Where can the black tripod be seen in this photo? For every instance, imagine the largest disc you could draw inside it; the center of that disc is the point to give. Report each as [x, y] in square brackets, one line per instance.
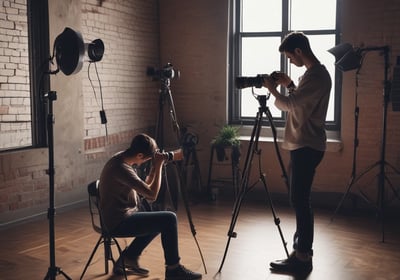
[53, 270]
[382, 163]
[244, 188]
[189, 151]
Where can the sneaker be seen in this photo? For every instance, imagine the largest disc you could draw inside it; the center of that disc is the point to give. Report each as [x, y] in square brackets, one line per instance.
[131, 267]
[181, 273]
[292, 265]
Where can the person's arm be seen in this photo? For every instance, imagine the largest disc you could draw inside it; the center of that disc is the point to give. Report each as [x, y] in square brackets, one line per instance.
[271, 83]
[154, 178]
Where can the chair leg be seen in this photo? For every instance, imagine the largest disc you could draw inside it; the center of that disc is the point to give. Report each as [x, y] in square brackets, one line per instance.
[108, 253]
[91, 256]
[120, 253]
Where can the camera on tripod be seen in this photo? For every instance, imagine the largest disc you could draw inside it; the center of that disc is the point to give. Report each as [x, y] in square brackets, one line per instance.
[257, 81]
[175, 155]
[167, 72]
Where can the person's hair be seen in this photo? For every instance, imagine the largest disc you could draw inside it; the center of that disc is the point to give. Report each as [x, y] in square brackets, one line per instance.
[142, 143]
[293, 41]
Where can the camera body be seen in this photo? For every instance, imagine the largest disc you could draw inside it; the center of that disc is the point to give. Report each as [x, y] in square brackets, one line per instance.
[167, 72]
[257, 81]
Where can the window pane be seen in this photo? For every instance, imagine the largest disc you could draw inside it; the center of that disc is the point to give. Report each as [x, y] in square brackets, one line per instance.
[15, 106]
[313, 14]
[256, 16]
[320, 44]
[260, 55]
[260, 36]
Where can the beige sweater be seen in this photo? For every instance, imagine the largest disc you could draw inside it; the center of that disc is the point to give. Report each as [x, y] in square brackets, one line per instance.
[307, 106]
[119, 187]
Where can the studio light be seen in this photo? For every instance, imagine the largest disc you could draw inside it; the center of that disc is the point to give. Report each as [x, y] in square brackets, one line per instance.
[347, 58]
[69, 51]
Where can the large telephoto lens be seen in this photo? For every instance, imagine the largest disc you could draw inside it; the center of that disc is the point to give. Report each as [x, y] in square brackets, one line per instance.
[244, 82]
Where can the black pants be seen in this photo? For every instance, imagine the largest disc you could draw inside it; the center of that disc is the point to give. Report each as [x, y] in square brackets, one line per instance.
[303, 163]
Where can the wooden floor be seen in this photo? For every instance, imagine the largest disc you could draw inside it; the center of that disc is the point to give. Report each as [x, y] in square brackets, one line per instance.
[349, 248]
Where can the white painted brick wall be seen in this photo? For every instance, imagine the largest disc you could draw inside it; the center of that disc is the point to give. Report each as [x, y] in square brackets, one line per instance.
[15, 113]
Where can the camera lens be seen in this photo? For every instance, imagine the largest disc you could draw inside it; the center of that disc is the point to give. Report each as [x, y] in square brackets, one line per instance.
[244, 82]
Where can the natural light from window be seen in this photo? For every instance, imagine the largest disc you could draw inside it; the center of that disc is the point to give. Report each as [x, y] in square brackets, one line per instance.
[260, 37]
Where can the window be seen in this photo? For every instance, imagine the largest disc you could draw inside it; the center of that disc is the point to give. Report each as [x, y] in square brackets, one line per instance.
[258, 30]
[24, 50]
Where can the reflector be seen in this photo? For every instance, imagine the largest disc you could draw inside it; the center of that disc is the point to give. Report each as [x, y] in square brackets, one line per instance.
[69, 51]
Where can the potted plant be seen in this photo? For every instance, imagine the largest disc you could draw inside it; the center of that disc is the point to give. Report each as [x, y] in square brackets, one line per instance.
[228, 136]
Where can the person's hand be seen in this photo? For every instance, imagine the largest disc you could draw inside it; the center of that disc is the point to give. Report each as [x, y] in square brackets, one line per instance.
[269, 82]
[158, 158]
[281, 78]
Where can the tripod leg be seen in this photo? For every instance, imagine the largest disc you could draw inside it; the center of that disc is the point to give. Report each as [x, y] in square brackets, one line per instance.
[189, 215]
[352, 181]
[54, 271]
[244, 182]
[231, 232]
[276, 219]
[350, 184]
[395, 191]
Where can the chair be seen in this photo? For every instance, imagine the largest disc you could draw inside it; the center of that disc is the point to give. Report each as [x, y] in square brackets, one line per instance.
[105, 237]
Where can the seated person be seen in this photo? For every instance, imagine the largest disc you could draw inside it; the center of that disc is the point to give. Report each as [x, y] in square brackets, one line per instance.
[120, 189]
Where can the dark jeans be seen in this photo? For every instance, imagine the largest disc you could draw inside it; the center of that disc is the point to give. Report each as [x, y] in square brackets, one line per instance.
[145, 226]
[303, 163]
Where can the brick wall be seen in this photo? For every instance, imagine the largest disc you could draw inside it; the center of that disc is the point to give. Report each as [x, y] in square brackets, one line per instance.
[195, 39]
[130, 32]
[15, 114]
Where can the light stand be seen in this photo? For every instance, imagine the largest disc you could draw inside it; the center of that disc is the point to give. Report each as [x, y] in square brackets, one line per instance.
[165, 75]
[381, 163]
[69, 50]
[245, 188]
[53, 270]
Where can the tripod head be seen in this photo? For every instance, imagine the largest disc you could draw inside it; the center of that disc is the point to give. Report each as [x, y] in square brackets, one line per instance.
[262, 100]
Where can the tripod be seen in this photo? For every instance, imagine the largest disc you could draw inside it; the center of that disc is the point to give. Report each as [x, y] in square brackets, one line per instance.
[53, 270]
[381, 163]
[244, 188]
[187, 143]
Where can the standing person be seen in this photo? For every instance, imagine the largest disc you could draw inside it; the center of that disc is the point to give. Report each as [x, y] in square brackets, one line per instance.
[306, 106]
[120, 189]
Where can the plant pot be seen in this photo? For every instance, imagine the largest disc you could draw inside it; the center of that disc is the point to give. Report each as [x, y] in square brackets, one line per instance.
[220, 150]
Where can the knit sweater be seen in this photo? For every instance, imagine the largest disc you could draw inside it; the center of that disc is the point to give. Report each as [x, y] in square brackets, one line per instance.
[307, 106]
[119, 187]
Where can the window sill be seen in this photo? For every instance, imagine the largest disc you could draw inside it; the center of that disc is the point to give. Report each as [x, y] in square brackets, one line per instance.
[334, 143]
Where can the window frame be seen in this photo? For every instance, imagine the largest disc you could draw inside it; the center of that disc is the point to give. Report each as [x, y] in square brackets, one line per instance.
[39, 79]
[39, 51]
[235, 40]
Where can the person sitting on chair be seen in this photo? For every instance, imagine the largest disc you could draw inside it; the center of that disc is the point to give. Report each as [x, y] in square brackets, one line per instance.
[120, 189]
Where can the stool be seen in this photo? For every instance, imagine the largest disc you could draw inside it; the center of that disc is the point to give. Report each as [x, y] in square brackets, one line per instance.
[234, 160]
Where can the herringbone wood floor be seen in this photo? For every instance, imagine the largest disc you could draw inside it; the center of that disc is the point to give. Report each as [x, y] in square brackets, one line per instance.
[349, 248]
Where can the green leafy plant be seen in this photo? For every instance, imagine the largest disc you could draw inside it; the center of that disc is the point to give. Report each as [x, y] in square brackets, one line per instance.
[228, 136]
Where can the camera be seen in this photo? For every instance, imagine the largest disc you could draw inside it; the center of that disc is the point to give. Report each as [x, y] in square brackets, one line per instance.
[244, 82]
[167, 72]
[173, 155]
[257, 81]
